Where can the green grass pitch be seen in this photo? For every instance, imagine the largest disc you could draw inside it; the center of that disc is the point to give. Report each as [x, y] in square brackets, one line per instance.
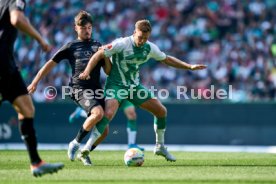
[109, 168]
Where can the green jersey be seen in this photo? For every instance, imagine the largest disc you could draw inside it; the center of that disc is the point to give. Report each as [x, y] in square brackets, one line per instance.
[126, 59]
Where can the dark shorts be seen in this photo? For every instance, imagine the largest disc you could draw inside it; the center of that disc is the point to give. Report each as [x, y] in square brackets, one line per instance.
[12, 86]
[88, 102]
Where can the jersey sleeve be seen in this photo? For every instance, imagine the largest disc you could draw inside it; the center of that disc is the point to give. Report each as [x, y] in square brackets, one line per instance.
[156, 53]
[61, 54]
[114, 47]
[17, 5]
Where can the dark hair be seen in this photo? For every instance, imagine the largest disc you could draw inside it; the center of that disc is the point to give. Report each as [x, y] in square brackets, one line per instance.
[143, 25]
[82, 18]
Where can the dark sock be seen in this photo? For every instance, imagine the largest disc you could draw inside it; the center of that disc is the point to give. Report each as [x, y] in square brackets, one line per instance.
[81, 134]
[27, 132]
[93, 147]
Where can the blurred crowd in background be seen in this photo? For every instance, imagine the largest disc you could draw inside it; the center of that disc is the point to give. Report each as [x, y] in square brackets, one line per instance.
[235, 38]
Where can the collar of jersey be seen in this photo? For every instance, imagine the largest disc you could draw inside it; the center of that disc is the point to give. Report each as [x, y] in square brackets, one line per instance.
[133, 43]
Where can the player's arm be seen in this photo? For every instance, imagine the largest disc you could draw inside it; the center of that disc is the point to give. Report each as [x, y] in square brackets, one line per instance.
[177, 63]
[21, 22]
[40, 75]
[94, 60]
[107, 65]
[60, 55]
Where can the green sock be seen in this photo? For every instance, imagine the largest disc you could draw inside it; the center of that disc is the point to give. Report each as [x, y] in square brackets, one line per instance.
[102, 124]
[131, 131]
[160, 128]
[160, 122]
[131, 124]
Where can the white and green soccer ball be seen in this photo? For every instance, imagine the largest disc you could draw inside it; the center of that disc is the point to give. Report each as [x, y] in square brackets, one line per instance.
[134, 157]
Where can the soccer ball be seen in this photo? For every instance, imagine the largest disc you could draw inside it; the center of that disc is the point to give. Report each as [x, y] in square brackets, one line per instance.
[134, 157]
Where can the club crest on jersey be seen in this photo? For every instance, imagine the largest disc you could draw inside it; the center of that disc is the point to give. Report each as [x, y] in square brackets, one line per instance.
[87, 53]
[94, 48]
[145, 53]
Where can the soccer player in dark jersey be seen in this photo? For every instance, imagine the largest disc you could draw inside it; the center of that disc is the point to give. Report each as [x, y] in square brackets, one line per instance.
[78, 53]
[12, 86]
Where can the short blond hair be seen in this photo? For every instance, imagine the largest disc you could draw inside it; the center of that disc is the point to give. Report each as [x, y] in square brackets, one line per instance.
[82, 18]
[143, 25]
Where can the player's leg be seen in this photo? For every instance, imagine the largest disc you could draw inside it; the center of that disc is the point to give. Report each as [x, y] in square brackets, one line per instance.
[25, 110]
[111, 107]
[79, 112]
[94, 117]
[145, 99]
[131, 125]
[99, 140]
[129, 110]
[160, 113]
[112, 103]
[83, 155]
[99, 132]
[94, 109]
[23, 105]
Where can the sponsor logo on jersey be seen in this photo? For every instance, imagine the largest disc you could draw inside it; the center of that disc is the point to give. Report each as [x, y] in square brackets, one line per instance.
[95, 48]
[137, 62]
[127, 53]
[87, 53]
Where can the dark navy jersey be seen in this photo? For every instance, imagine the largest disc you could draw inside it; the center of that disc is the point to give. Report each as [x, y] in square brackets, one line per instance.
[8, 34]
[78, 54]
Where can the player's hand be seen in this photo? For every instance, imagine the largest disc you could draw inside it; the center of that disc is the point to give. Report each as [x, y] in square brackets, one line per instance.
[84, 76]
[32, 88]
[45, 46]
[198, 67]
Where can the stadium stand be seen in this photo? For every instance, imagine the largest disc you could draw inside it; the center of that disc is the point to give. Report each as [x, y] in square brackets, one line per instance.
[236, 39]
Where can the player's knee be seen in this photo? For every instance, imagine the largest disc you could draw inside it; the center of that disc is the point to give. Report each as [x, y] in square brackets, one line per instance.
[109, 114]
[98, 115]
[162, 111]
[132, 116]
[28, 111]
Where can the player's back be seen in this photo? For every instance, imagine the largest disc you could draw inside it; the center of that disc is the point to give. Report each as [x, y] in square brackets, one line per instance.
[8, 34]
[7, 30]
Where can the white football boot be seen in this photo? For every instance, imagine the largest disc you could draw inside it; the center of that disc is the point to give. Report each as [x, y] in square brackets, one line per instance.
[162, 151]
[83, 156]
[72, 150]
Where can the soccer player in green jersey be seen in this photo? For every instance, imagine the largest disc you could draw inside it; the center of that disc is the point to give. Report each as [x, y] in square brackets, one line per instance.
[123, 82]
